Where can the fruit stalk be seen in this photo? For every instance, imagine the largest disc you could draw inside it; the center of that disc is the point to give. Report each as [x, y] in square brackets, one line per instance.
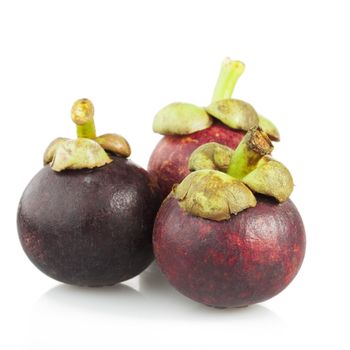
[83, 116]
[250, 150]
[229, 74]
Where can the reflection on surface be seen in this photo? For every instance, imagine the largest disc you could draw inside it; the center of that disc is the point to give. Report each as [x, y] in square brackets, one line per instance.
[118, 299]
[151, 298]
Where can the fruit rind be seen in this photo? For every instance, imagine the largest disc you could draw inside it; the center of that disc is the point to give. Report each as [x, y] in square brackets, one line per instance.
[90, 227]
[245, 260]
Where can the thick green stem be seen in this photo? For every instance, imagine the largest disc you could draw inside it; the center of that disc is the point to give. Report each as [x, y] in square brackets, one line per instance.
[251, 149]
[87, 130]
[229, 74]
[83, 117]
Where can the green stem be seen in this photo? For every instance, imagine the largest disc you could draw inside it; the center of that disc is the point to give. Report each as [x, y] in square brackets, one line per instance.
[87, 130]
[83, 116]
[229, 74]
[251, 149]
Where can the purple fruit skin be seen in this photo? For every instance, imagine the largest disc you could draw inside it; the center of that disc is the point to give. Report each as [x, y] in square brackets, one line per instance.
[89, 227]
[241, 261]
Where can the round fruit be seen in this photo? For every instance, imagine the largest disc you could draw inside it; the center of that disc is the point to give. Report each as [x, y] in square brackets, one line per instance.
[84, 224]
[217, 242]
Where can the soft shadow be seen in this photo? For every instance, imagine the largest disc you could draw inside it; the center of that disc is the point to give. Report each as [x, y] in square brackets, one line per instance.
[156, 299]
[111, 301]
[169, 303]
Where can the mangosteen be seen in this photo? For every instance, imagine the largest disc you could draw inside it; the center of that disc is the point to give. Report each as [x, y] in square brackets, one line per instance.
[86, 217]
[228, 235]
[187, 126]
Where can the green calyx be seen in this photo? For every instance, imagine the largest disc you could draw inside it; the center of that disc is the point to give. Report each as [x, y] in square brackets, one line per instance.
[88, 151]
[271, 178]
[79, 154]
[236, 114]
[269, 127]
[52, 148]
[181, 119]
[211, 155]
[213, 195]
[185, 118]
[214, 189]
[114, 143]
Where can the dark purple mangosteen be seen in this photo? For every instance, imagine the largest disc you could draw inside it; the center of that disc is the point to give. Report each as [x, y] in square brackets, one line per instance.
[186, 127]
[86, 218]
[217, 242]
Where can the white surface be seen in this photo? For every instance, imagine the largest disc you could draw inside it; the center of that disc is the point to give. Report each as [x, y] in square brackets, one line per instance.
[131, 58]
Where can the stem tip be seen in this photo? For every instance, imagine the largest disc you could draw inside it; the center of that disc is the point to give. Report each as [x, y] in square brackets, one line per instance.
[82, 111]
[229, 74]
[238, 66]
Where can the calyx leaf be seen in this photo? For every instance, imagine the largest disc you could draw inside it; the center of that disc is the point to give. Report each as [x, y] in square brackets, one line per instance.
[271, 178]
[51, 149]
[181, 119]
[114, 143]
[211, 155]
[269, 127]
[213, 195]
[234, 113]
[78, 154]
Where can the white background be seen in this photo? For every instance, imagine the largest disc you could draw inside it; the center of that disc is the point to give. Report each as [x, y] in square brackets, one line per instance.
[131, 58]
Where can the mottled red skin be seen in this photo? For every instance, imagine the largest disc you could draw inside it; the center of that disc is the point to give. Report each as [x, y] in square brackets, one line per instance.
[169, 160]
[241, 261]
[89, 227]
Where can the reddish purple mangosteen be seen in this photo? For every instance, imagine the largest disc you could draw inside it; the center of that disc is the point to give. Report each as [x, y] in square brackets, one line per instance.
[228, 235]
[187, 127]
[86, 218]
